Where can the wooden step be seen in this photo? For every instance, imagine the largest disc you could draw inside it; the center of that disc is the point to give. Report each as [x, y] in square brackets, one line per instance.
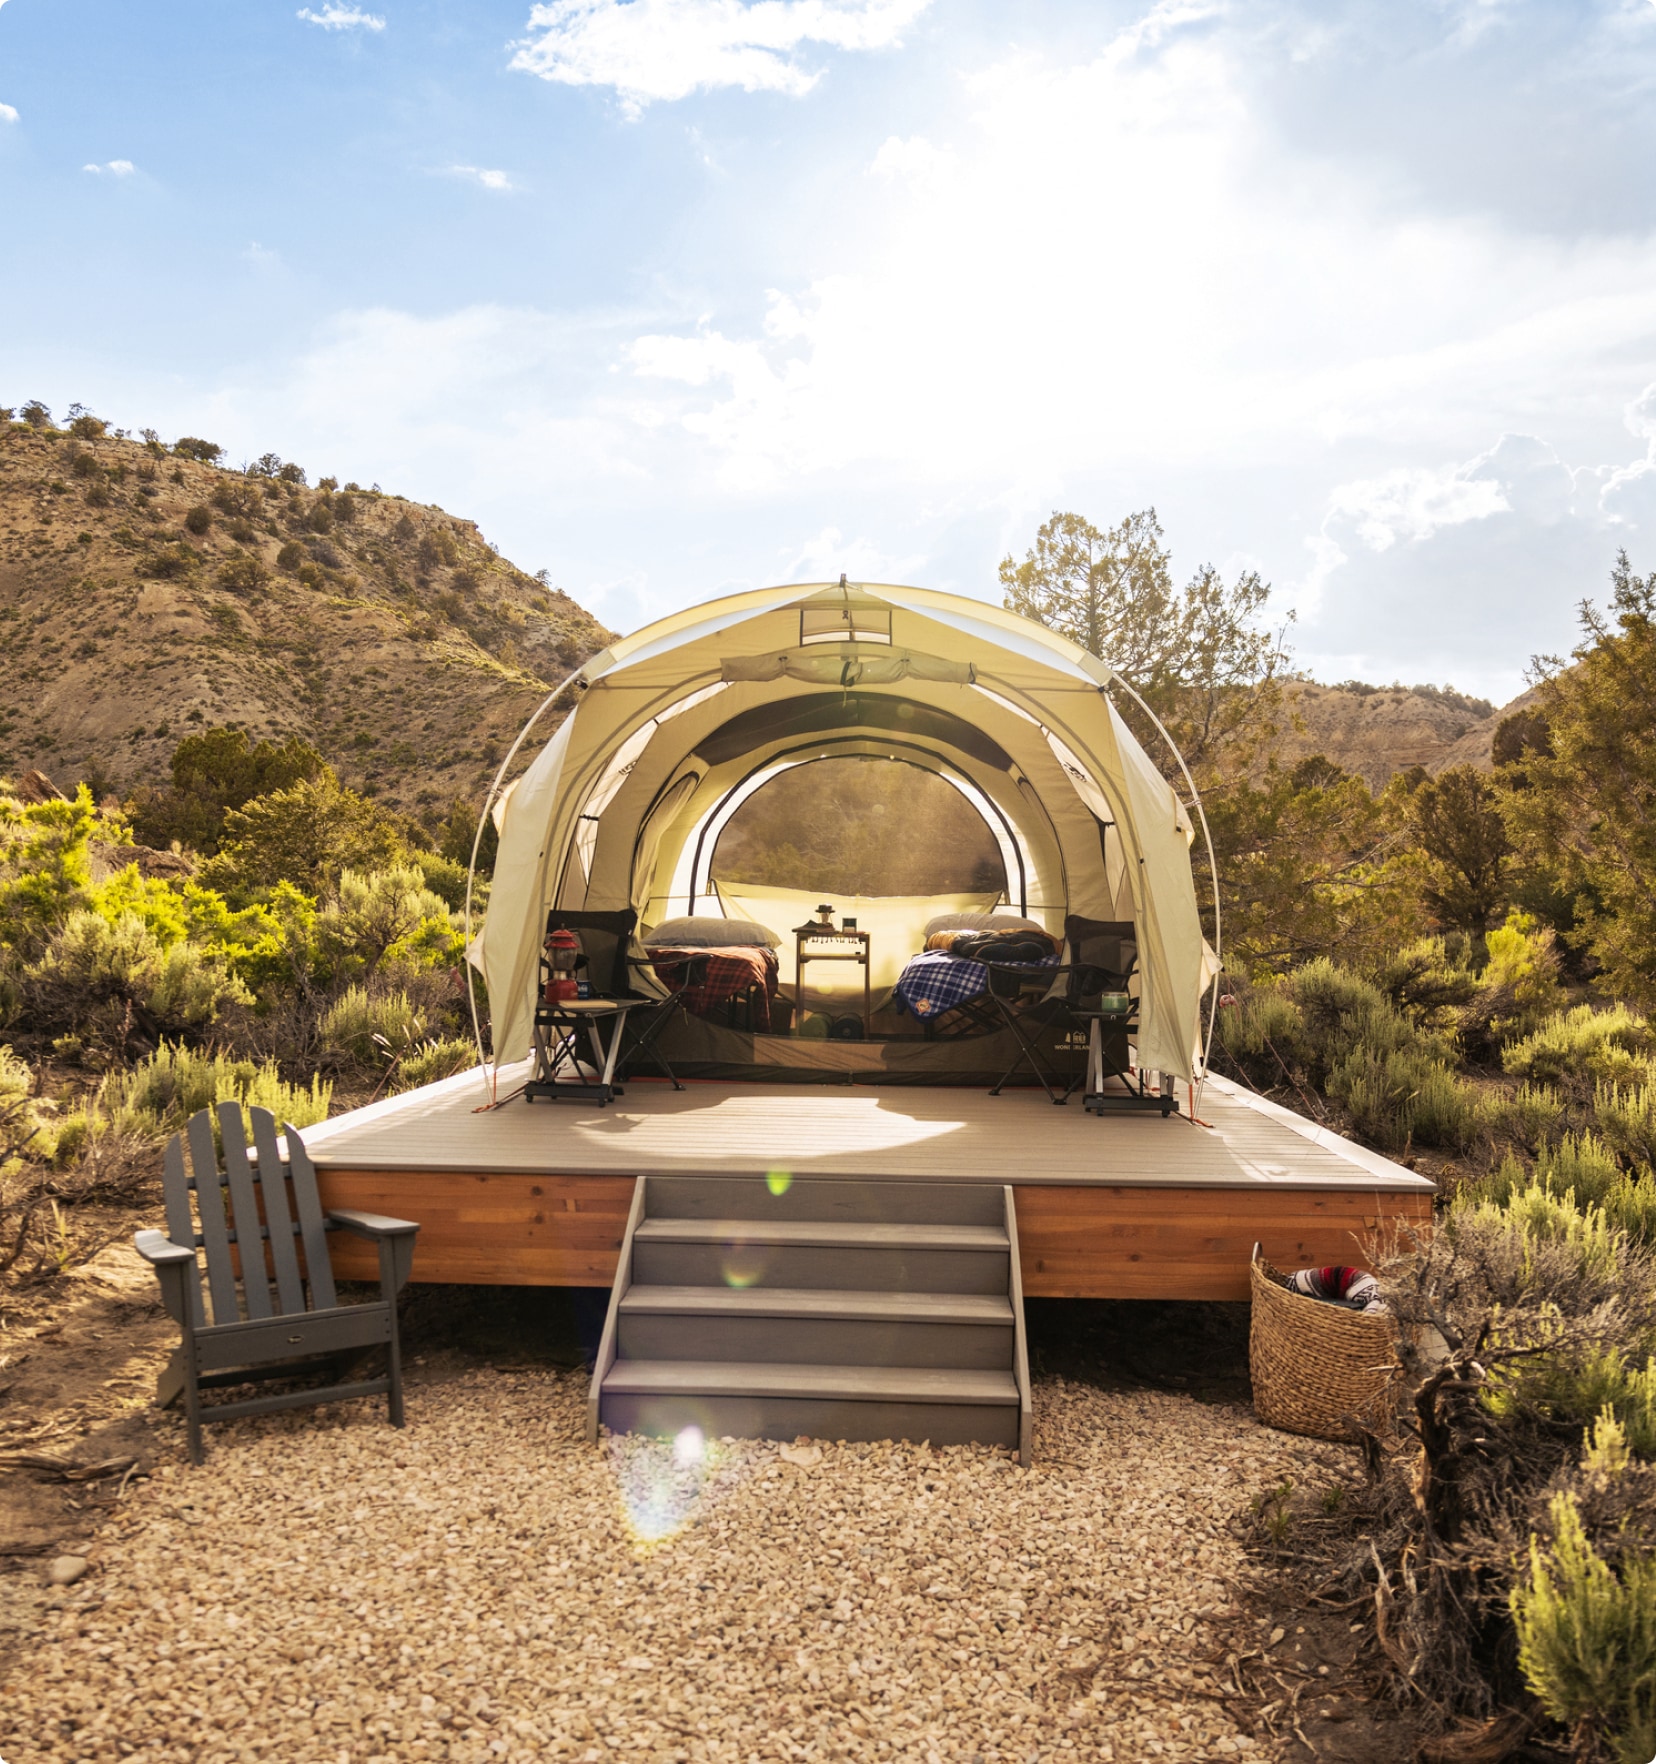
[823, 1233]
[821, 1255]
[815, 1327]
[904, 1384]
[770, 1301]
[753, 1400]
[818, 1197]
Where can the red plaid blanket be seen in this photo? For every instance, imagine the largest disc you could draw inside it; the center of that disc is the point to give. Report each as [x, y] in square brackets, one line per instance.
[727, 973]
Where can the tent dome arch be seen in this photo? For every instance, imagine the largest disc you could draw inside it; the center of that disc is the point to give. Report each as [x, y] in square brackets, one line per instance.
[670, 718]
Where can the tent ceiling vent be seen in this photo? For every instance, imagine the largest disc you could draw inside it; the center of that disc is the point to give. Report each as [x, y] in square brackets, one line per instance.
[840, 620]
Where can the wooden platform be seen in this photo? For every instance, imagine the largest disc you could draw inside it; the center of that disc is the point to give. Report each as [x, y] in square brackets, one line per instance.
[1120, 1207]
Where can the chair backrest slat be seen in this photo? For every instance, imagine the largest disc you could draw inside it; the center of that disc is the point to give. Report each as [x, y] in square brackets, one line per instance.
[244, 1209]
[181, 1228]
[311, 1226]
[215, 1235]
[290, 1293]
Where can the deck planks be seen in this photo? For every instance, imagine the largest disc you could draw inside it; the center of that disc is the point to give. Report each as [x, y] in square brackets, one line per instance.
[1123, 1207]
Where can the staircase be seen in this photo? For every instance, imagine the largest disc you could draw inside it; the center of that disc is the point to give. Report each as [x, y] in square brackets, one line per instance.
[838, 1309]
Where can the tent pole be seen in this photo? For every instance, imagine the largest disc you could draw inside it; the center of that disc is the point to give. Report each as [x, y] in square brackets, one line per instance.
[490, 1081]
[1213, 871]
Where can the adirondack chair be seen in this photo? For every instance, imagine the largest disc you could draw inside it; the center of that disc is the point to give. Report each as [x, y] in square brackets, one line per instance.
[256, 1334]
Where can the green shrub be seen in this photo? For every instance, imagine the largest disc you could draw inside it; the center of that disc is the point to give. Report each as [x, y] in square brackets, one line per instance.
[1531, 1117]
[199, 518]
[447, 879]
[433, 1061]
[1405, 1097]
[97, 969]
[158, 1095]
[363, 1031]
[1630, 1206]
[242, 573]
[1581, 1047]
[1627, 1119]
[1587, 1638]
[169, 562]
[1568, 1389]
[25, 1127]
[1523, 964]
[1429, 975]
[291, 555]
[1579, 1164]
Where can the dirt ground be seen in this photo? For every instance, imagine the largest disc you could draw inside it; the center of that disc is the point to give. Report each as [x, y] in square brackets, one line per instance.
[79, 1354]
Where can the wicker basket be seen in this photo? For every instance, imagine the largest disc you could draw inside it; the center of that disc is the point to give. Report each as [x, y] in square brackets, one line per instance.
[1318, 1367]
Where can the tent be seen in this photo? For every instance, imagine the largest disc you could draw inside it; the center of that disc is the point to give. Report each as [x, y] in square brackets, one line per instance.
[677, 724]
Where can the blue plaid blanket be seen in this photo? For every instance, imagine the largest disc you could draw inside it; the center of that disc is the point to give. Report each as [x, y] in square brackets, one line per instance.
[936, 981]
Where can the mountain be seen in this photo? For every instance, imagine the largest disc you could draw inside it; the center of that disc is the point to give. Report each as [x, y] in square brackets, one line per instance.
[1376, 731]
[145, 592]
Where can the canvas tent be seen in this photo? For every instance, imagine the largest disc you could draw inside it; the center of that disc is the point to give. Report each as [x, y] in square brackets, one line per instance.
[677, 724]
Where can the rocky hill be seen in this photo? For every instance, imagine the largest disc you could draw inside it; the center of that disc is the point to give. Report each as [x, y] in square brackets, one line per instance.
[1376, 731]
[146, 591]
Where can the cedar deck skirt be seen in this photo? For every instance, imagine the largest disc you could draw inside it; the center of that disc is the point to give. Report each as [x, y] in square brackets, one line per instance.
[515, 1229]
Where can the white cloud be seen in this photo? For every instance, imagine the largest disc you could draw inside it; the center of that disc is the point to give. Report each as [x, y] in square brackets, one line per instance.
[8, 112]
[828, 554]
[654, 50]
[490, 180]
[342, 18]
[915, 161]
[1414, 502]
[116, 168]
[260, 256]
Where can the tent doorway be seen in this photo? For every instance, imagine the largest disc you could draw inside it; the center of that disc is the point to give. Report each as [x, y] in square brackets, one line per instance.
[860, 826]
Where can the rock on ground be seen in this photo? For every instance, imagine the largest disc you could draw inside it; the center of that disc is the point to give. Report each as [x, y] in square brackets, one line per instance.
[484, 1586]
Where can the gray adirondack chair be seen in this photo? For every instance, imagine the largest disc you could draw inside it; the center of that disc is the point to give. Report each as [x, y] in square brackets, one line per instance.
[256, 1333]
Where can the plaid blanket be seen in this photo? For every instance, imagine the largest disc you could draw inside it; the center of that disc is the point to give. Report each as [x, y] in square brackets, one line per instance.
[936, 981]
[727, 973]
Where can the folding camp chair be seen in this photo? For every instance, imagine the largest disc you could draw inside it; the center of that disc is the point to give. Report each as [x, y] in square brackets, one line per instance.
[256, 1333]
[1083, 993]
[607, 958]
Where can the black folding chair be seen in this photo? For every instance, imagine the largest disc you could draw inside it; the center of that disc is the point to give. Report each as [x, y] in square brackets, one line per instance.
[606, 955]
[1103, 955]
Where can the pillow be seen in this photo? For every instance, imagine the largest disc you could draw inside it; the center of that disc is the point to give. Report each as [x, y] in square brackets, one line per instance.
[710, 933]
[980, 922]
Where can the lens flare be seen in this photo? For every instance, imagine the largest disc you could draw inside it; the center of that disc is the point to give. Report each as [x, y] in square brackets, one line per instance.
[743, 1264]
[666, 1476]
[779, 1181]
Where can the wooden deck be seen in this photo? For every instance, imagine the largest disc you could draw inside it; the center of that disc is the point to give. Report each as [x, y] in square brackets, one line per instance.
[1126, 1206]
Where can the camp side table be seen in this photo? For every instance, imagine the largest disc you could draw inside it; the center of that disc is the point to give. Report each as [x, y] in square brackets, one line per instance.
[824, 945]
[557, 1042]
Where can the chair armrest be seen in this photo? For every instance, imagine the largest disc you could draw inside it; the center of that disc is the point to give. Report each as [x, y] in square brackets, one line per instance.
[178, 1272]
[372, 1224]
[160, 1251]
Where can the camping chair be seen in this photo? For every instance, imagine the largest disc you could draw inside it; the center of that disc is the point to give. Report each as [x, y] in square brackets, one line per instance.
[1079, 995]
[256, 1334]
[606, 955]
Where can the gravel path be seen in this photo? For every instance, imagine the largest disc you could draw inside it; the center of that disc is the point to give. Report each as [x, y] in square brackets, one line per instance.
[486, 1587]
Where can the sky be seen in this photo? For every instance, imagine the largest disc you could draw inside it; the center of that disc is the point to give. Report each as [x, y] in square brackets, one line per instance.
[679, 296]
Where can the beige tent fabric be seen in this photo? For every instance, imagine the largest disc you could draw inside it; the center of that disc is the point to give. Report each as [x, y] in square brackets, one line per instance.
[1106, 838]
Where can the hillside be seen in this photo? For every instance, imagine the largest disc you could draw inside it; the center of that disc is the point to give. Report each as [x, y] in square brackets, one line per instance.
[143, 594]
[1378, 731]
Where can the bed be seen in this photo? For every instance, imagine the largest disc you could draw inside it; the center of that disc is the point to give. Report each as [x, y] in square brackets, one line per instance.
[719, 965]
[952, 973]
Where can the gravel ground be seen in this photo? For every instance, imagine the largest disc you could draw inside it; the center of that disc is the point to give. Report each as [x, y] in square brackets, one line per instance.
[484, 1586]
